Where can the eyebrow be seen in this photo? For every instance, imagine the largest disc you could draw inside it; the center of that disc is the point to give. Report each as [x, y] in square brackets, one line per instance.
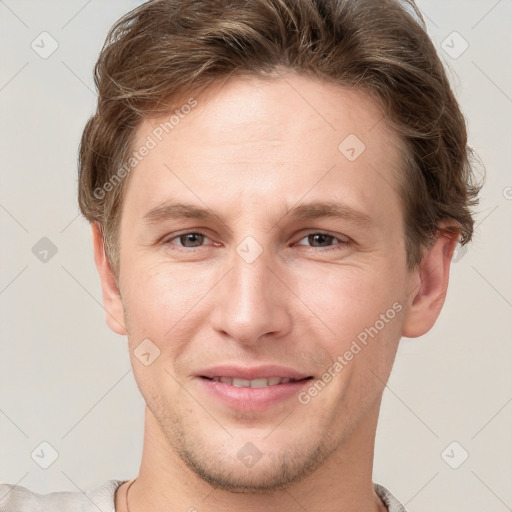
[313, 210]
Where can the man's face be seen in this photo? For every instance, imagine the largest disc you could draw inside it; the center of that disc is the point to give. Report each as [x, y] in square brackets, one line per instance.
[256, 283]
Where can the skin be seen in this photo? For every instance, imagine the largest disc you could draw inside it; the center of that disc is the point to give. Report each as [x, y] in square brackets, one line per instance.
[250, 151]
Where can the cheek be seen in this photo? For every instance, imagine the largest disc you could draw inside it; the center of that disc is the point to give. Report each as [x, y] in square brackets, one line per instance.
[346, 300]
[159, 289]
[161, 303]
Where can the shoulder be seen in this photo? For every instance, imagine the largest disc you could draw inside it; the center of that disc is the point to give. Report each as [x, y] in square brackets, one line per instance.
[388, 499]
[15, 498]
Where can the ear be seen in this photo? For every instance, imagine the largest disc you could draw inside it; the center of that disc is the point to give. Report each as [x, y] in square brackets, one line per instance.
[429, 283]
[112, 304]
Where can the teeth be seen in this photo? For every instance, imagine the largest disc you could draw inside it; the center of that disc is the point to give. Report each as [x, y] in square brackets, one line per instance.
[255, 383]
[241, 383]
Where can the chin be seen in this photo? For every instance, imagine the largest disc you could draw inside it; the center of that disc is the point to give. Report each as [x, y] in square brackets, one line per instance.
[245, 468]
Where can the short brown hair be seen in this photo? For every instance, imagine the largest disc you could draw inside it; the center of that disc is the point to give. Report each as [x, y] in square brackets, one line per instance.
[165, 48]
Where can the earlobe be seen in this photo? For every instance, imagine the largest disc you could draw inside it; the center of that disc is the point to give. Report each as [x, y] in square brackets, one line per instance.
[112, 303]
[429, 284]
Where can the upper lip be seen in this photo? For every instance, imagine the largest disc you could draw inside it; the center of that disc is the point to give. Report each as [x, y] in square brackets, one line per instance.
[252, 372]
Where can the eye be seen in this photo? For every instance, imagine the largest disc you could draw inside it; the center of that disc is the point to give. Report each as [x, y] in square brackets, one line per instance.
[188, 240]
[319, 240]
[324, 240]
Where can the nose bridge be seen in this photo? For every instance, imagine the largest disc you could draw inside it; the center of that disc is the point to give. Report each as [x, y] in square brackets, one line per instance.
[253, 301]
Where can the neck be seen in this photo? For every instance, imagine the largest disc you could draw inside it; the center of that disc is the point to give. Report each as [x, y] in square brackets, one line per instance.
[342, 483]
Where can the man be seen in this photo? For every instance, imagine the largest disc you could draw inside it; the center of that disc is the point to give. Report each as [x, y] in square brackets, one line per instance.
[275, 189]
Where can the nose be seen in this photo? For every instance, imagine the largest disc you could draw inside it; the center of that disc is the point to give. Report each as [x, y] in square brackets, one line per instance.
[252, 301]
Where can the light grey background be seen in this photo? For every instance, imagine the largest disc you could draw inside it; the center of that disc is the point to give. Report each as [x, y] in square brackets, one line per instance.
[65, 379]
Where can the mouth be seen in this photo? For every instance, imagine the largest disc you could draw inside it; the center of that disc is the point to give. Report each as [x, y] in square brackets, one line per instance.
[255, 383]
[261, 394]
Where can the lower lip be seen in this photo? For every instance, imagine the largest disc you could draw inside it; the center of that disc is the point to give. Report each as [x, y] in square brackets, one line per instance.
[252, 399]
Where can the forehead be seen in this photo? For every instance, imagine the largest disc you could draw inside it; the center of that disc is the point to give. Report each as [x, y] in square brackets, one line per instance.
[248, 138]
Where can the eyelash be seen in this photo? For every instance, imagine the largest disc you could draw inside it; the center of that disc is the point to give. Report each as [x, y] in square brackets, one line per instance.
[334, 247]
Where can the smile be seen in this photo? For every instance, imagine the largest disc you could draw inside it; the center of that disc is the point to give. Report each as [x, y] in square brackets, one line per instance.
[255, 383]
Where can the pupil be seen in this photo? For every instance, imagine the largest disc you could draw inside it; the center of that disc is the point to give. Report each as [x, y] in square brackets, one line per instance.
[321, 236]
[191, 237]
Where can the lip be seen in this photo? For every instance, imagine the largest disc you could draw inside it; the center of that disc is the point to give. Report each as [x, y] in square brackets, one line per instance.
[251, 399]
[252, 372]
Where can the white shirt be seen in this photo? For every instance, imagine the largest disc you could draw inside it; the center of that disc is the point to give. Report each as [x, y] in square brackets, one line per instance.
[15, 498]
